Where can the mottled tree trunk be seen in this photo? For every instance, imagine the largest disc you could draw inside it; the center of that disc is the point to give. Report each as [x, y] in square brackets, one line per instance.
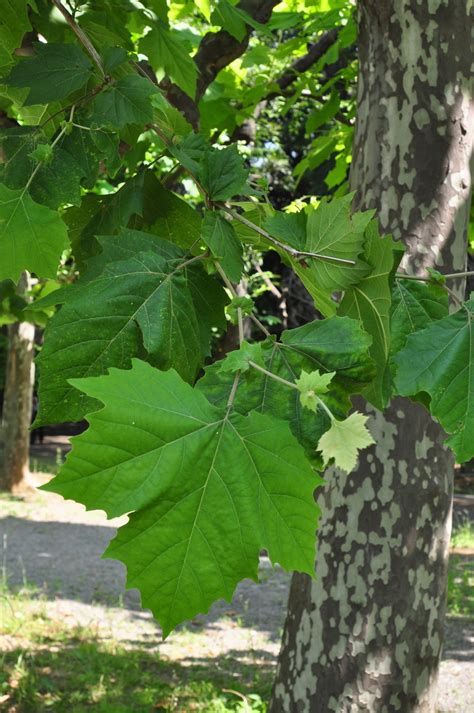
[366, 635]
[16, 415]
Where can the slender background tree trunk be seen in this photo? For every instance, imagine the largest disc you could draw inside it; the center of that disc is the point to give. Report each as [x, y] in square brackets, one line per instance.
[366, 635]
[16, 415]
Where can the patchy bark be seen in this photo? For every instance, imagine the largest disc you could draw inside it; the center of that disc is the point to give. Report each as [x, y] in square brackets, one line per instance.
[366, 635]
[16, 416]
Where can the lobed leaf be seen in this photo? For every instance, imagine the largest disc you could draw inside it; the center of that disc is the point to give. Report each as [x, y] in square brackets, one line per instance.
[32, 237]
[134, 296]
[54, 72]
[207, 489]
[370, 302]
[439, 360]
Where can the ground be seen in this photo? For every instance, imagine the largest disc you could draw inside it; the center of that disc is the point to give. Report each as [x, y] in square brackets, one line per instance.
[73, 639]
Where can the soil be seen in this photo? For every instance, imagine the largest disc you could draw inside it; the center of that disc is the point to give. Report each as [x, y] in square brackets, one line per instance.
[40, 535]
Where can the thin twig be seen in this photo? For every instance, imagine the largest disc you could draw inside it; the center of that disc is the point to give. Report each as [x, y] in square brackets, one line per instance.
[241, 325]
[233, 391]
[297, 254]
[225, 279]
[53, 144]
[273, 289]
[291, 384]
[259, 325]
[449, 276]
[80, 34]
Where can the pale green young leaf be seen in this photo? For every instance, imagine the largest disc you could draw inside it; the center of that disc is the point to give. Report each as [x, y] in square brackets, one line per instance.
[54, 72]
[336, 344]
[310, 384]
[220, 237]
[439, 360]
[127, 101]
[238, 360]
[32, 237]
[343, 441]
[168, 54]
[207, 489]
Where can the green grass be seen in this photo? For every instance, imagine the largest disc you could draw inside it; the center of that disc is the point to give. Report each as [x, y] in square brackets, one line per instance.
[463, 536]
[461, 572]
[49, 666]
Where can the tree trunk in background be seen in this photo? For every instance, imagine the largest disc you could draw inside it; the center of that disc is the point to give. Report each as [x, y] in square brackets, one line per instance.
[16, 416]
[366, 635]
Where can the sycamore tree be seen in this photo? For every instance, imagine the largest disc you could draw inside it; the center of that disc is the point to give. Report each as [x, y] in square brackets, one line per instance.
[110, 106]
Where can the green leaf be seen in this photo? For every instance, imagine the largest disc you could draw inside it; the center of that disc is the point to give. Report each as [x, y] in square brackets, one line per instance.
[311, 384]
[133, 295]
[333, 345]
[74, 161]
[168, 54]
[32, 237]
[370, 301]
[128, 101]
[220, 237]
[245, 304]
[230, 19]
[222, 173]
[14, 23]
[328, 230]
[343, 441]
[207, 490]
[439, 360]
[238, 360]
[290, 228]
[414, 306]
[53, 73]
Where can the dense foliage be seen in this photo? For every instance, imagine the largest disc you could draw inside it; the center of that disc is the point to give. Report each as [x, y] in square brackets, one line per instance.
[106, 106]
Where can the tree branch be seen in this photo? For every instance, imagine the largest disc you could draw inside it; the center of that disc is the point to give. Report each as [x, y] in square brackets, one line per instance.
[216, 51]
[82, 37]
[302, 64]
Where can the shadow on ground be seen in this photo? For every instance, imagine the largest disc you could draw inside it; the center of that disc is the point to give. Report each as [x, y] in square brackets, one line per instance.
[63, 560]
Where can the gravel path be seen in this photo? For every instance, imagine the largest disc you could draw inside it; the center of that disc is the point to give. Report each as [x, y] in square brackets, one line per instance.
[40, 538]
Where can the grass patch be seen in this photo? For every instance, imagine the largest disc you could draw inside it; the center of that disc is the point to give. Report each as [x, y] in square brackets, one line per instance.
[461, 572]
[463, 536]
[48, 666]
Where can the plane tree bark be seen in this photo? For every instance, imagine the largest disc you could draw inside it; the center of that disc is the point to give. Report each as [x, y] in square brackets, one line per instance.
[367, 634]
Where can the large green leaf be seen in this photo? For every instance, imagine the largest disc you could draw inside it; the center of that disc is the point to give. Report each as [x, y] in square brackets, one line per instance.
[414, 306]
[207, 489]
[127, 101]
[220, 237]
[14, 23]
[439, 360]
[53, 73]
[168, 54]
[131, 296]
[370, 302]
[331, 231]
[333, 345]
[32, 237]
